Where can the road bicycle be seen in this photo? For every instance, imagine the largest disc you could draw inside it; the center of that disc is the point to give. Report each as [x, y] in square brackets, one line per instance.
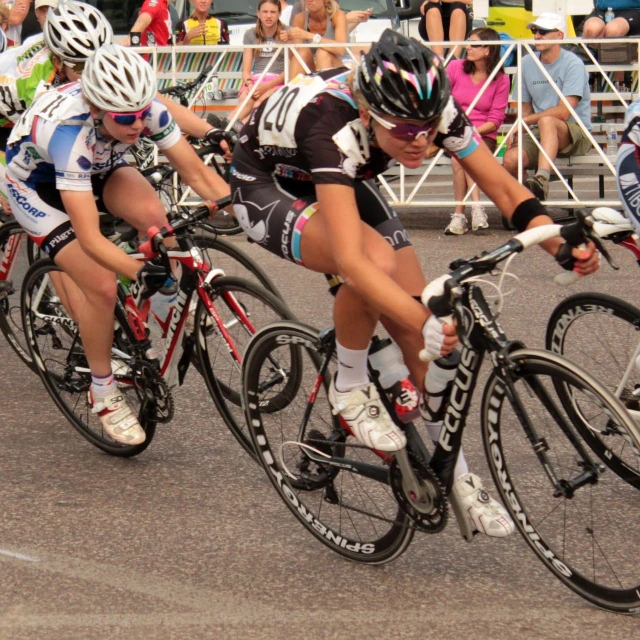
[209, 325]
[17, 252]
[600, 333]
[576, 509]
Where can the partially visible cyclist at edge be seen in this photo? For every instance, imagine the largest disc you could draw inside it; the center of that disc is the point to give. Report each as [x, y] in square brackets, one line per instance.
[302, 187]
[71, 32]
[628, 165]
[64, 163]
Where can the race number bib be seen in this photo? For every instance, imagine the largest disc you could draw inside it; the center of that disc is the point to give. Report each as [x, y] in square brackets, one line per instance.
[278, 122]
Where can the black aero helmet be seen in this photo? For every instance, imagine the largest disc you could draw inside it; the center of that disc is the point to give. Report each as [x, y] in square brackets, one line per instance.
[402, 78]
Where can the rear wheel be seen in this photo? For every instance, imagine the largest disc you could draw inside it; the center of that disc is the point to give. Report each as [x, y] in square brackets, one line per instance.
[349, 506]
[584, 526]
[56, 349]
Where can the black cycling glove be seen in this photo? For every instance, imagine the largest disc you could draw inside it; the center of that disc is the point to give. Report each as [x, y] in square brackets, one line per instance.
[216, 136]
[152, 277]
[565, 258]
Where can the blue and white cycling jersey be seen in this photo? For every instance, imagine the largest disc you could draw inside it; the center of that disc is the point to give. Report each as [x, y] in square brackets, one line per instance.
[56, 141]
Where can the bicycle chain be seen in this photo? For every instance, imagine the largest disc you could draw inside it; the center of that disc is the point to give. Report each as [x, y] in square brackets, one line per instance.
[427, 523]
[152, 388]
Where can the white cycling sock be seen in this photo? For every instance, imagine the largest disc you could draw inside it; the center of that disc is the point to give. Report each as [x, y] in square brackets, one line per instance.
[433, 429]
[102, 386]
[461, 466]
[352, 368]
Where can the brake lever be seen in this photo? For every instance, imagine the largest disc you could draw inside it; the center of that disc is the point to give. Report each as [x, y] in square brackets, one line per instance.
[601, 248]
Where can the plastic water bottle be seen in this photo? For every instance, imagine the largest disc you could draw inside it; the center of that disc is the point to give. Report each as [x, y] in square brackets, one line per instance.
[162, 304]
[612, 141]
[386, 358]
[609, 16]
[437, 384]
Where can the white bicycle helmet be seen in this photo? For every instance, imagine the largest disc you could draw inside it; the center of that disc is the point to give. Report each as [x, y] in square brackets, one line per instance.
[116, 78]
[73, 31]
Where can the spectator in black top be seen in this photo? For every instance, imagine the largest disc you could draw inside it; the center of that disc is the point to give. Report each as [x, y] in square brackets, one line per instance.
[446, 20]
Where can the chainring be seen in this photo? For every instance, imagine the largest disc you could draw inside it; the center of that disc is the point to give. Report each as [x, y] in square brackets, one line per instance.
[152, 391]
[435, 519]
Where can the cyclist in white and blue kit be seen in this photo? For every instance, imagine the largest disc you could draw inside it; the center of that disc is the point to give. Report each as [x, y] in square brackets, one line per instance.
[64, 164]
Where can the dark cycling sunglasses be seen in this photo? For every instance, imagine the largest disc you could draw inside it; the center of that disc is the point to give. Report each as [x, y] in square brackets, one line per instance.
[477, 46]
[127, 119]
[406, 131]
[542, 32]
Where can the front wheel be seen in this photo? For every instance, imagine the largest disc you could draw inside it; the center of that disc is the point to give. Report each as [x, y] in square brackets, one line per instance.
[601, 333]
[576, 513]
[241, 309]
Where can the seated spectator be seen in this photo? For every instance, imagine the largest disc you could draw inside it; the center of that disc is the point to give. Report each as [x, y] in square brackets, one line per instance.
[269, 30]
[467, 78]
[559, 134]
[445, 20]
[322, 23]
[354, 18]
[202, 27]
[153, 25]
[625, 23]
[42, 8]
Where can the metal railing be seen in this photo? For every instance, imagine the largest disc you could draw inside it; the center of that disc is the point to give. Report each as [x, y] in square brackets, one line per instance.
[425, 187]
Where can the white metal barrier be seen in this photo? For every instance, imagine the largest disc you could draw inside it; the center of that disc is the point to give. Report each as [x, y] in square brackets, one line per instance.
[422, 188]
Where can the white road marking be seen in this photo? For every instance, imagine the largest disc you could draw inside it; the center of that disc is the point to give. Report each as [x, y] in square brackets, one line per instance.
[18, 556]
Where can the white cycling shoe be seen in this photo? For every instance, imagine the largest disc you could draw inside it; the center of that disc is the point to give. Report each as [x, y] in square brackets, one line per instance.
[486, 515]
[367, 417]
[117, 418]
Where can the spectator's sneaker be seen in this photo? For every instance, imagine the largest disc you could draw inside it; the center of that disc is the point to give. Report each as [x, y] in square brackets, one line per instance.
[486, 515]
[117, 418]
[458, 225]
[539, 186]
[478, 217]
[367, 417]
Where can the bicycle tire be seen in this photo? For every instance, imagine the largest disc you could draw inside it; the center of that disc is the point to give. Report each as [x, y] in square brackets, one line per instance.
[221, 372]
[10, 315]
[601, 333]
[56, 350]
[588, 539]
[242, 264]
[353, 515]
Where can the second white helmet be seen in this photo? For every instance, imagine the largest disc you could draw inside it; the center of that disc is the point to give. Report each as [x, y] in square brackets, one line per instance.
[116, 78]
[73, 31]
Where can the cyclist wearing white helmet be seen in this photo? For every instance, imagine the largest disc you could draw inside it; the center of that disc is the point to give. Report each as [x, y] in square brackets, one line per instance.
[301, 179]
[72, 32]
[64, 161]
[53, 58]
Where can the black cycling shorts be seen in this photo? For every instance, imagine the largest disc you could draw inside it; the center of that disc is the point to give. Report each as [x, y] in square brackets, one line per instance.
[273, 211]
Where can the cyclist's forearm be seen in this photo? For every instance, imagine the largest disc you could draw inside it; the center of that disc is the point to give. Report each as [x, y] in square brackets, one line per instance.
[208, 184]
[188, 121]
[109, 256]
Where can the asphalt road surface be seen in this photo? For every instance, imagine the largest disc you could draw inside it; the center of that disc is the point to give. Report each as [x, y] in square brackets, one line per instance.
[190, 541]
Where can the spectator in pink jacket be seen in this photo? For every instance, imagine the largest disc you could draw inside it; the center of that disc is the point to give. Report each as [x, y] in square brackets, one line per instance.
[467, 77]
